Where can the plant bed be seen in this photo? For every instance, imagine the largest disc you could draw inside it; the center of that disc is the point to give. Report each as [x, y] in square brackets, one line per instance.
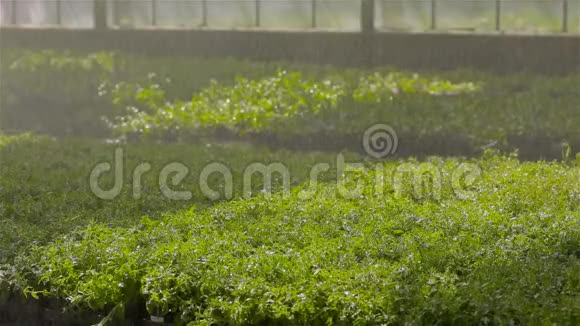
[372, 258]
[430, 115]
[142, 95]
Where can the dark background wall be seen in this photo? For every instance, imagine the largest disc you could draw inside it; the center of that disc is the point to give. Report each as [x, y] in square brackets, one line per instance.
[495, 52]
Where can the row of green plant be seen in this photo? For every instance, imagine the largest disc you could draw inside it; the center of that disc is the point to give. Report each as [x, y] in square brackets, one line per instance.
[504, 252]
[70, 93]
[290, 105]
[283, 103]
[61, 92]
[45, 189]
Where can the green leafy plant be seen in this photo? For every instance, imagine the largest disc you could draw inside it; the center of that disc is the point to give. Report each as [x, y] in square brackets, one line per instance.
[290, 106]
[380, 257]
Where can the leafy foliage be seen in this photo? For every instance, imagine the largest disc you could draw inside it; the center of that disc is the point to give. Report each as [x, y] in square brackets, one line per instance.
[293, 106]
[503, 252]
[507, 252]
[247, 106]
[63, 92]
[42, 198]
[185, 98]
